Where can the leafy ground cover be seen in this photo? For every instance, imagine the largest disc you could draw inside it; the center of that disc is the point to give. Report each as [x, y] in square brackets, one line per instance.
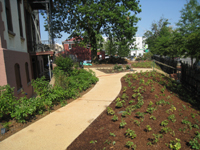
[117, 68]
[70, 81]
[144, 64]
[151, 112]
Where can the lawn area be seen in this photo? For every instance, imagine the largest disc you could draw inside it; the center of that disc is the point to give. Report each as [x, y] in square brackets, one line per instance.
[151, 112]
[144, 64]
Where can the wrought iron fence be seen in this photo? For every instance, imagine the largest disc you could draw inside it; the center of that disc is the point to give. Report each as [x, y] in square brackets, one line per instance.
[167, 65]
[190, 78]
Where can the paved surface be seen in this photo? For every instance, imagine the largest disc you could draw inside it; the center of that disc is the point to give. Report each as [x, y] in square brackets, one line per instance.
[57, 130]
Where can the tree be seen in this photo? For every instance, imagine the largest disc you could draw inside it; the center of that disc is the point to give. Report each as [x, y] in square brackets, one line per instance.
[189, 26]
[88, 18]
[158, 38]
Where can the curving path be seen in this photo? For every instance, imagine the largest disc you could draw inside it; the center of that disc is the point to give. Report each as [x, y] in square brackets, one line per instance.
[57, 130]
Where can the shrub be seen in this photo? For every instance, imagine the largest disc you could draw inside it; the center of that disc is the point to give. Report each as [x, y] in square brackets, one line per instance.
[7, 100]
[64, 63]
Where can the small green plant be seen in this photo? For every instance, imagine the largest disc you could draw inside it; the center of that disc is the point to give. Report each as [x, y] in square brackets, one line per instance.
[156, 138]
[175, 144]
[107, 142]
[163, 89]
[124, 96]
[165, 129]
[131, 101]
[93, 141]
[110, 111]
[137, 122]
[114, 118]
[150, 104]
[152, 117]
[130, 144]
[130, 133]
[6, 125]
[184, 107]
[140, 114]
[196, 126]
[152, 89]
[124, 89]
[134, 95]
[172, 118]
[119, 104]
[112, 134]
[194, 142]
[150, 110]
[149, 143]
[122, 124]
[164, 123]
[148, 128]
[156, 96]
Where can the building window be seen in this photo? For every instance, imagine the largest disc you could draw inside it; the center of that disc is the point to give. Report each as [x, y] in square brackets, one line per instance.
[20, 20]
[70, 46]
[8, 15]
[27, 72]
[18, 77]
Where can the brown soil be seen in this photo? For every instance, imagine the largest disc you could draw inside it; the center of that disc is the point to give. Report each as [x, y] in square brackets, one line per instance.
[97, 135]
[15, 126]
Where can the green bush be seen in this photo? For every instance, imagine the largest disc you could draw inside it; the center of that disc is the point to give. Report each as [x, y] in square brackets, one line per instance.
[7, 100]
[147, 56]
[64, 63]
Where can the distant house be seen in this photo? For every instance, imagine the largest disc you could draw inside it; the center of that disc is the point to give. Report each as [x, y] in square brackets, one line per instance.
[21, 51]
[82, 53]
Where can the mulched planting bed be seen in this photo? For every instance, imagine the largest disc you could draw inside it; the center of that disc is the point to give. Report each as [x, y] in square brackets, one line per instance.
[152, 113]
[113, 71]
[14, 126]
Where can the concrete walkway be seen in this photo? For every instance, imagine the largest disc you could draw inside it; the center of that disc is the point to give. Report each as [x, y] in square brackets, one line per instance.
[57, 130]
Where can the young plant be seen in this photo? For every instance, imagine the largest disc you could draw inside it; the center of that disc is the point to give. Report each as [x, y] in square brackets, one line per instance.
[150, 104]
[130, 133]
[156, 138]
[124, 89]
[93, 141]
[194, 142]
[165, 129]
[131, 101]
[150, 110]
[164, 123]
[114, 118]
[152, 89]
[172, 118]
[110, 111]
[112, 134]
[137, 122]
[122, 124]
[148, 128]
[175, 145]
[131, 145]
[140, 114]
[152, 117]
[163, 89]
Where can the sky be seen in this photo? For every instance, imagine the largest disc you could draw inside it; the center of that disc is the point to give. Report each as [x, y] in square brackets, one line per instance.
[152, 10]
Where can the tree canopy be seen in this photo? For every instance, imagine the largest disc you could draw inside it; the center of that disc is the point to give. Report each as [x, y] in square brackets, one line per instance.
[182, 41]
[89, 18]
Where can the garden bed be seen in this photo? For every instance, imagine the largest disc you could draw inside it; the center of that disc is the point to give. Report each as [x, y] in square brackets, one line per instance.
[150, 112]
[15, 126]
[114, 71]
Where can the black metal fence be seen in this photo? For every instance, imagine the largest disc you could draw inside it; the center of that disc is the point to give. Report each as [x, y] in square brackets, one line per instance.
[190, 78]
[167, 65]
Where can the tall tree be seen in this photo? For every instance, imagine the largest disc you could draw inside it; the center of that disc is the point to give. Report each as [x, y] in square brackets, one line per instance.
[89, 18]
[189, 26]
[157, 38]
